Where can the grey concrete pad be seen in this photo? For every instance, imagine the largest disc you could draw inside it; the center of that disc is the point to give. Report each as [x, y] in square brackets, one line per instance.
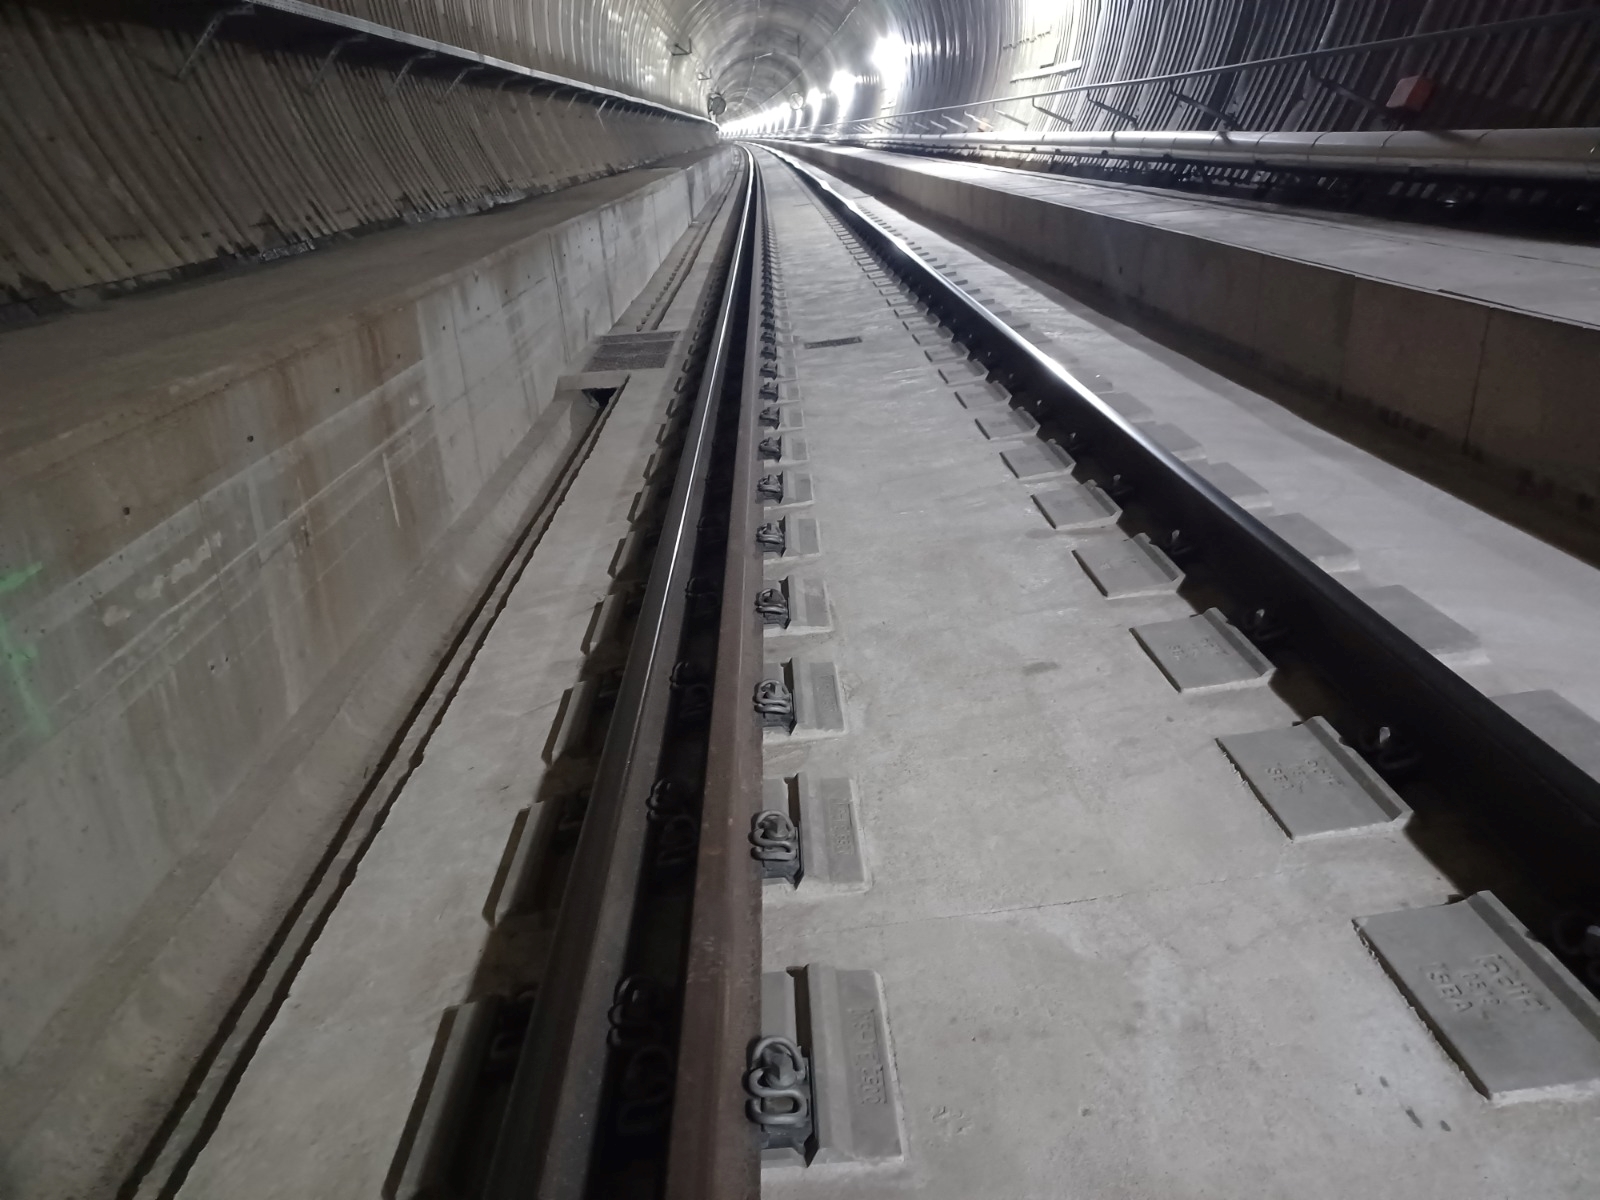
[801, 541]
[1174, 441]
[441, 1110]
[630, 557]
[948, 354]
[607, 621]
[1312, 540]
[1037, 460]
[818, 703]
[1204, 653]
[792, 450]
[931, 338]
[1077, 506]
[1131, 567]
[1514, 1018]
[853, 1078]
[1234, 484]
[1003, 423]
[782, 394]
[797, 491]
[572, 735]
[1313, 783]
[1130, 408]
[824, 809]
[791, 417]
[1562, 724]
[962, 372]
[809, 612]
[983, 394]
[1439, 635]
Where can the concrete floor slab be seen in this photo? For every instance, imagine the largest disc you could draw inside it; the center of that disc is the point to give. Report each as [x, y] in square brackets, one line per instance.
[1106, 972]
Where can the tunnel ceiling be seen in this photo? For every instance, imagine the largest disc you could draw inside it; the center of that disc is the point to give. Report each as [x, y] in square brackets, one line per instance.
[906, 54]
[753, 52]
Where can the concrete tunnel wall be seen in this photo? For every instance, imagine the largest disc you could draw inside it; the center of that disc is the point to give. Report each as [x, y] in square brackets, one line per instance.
[227, 575]
[1511, 390]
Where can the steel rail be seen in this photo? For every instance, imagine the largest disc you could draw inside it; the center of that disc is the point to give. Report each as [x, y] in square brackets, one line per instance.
[357, 35]
[551, 1122]
[1571, 155]
[1534, 799]
[714, 1153]
[1511, 25]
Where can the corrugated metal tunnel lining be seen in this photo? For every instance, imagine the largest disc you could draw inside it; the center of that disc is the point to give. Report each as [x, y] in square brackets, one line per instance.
[147, 141]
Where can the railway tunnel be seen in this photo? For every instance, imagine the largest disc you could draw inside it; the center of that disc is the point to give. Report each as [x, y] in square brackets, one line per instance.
[799, 598]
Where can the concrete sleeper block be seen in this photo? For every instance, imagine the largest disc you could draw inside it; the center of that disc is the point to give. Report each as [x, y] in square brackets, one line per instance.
[982, 395]
[824, 810]
[1424, 624]
[1234, 484]
[1075, 507]
[1561, 724]
[1135, 567]
[958, 373]
[801, 541]
[807, 597]
[1313, 783]
[1174, 441]
[1503, 1007]
[1037, 460]
[1204, 653]
[1001, 424]
[1312, 540]
[818, 703]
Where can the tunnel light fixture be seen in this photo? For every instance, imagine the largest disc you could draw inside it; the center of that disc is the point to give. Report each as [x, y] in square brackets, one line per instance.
[843, 86]
[891, 58]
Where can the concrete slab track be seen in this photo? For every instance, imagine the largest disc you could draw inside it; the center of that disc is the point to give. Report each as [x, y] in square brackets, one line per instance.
[1108, 973]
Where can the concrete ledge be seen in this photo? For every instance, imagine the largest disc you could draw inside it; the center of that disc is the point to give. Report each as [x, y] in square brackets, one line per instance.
[239, 524]
[1477, 344]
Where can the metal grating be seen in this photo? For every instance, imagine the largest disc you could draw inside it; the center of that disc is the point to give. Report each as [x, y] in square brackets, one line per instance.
[633, 351]
[831, 342]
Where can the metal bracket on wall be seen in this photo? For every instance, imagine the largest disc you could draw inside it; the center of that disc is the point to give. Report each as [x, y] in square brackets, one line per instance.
[301, 27]
[1224, 119]
[1114, 111]
[460, 75]
[405, 69]
[210, 32]
[333, 53]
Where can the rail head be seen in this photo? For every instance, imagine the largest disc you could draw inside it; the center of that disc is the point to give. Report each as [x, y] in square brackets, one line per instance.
[714, 1153]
